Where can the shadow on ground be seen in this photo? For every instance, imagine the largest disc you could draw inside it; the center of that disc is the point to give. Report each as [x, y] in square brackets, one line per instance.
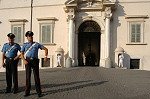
[68, 86]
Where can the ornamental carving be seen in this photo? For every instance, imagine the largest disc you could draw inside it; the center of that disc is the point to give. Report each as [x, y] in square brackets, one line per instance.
[108, 12]
[89, 5]
[71, 14]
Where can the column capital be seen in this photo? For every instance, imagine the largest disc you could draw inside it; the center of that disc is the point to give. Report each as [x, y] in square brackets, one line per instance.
[108, 13]
[70, 17]
[71, 14]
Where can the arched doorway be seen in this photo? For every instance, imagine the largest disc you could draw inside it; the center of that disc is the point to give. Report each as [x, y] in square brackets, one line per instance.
[89, 44]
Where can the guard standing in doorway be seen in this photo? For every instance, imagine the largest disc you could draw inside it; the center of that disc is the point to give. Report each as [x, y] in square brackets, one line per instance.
[29, 53]
[10, 61]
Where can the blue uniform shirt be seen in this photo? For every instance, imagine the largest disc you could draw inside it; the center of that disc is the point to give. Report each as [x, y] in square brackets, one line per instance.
[11, 53]
[33, 53]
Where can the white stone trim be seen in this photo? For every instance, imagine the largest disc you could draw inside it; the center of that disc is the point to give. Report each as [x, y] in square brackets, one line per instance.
[47, 19]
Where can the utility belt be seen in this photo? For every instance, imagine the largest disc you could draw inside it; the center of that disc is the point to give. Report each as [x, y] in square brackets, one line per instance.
[29, 59]
[32, 61]
[9, 58]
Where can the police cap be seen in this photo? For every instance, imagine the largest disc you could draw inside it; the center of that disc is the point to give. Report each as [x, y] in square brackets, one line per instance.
[11, 35]
[29, 33]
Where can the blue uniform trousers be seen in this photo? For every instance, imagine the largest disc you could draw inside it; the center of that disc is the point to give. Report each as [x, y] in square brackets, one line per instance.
[11, 73]
[33, 64]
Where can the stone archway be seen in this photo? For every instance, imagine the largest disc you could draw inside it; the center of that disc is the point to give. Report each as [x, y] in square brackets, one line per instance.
[89, 41]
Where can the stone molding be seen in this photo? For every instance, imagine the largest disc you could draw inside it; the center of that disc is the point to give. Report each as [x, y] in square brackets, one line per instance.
[88, 5]
[136, 16]
[47, 18]
[18, 20]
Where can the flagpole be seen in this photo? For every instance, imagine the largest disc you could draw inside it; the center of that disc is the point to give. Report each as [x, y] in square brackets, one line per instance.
[31, 15]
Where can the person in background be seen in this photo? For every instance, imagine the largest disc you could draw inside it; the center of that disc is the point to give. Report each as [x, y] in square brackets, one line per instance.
[121, 58]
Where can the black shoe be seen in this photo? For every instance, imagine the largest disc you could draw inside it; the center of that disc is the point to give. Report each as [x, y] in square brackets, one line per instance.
[26, 95]
[15, 91]
[40, 95]
[8, 91]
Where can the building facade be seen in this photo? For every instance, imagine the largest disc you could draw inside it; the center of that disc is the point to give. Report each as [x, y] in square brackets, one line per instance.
[83, 32]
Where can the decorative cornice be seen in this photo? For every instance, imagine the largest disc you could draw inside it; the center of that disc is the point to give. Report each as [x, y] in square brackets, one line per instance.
[47, 18]
[18, 20]
[88, 5]
[136, 16]
[71, 6]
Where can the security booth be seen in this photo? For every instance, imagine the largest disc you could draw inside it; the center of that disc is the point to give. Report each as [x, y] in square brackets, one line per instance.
[59, 57]
[118, 51]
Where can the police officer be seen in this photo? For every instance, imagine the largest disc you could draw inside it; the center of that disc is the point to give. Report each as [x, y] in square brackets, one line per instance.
[29, 52]
[10, 62]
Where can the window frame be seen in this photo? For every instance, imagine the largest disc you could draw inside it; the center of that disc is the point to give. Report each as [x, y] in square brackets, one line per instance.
[47, 20]
[51, 23]
[130, 23]
[42, 63]
[22, 31]
[19, 22]
[140, 19]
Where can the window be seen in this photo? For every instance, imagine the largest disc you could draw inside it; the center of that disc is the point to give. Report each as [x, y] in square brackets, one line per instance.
[46, 33]
[136, 29]
[136, 32]
[18, 31]
[47, 29]
[46, 63]
[18, 27]
[134, 63]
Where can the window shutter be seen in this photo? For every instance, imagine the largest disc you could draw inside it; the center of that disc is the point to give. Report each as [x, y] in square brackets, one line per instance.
[138, 33]
[43, 34]
[19, 35]
[135, 32]
[46, 33]
[15, 32]
[18, 31]
[132, 33]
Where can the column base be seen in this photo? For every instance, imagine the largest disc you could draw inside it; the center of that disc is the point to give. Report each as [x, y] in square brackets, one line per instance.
[102, 63]
[108, 63]
[74, 62]
[68, 62]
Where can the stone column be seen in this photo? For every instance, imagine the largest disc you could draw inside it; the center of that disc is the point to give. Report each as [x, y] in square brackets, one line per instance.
[108, 15]
[71, 46]
[71, 36]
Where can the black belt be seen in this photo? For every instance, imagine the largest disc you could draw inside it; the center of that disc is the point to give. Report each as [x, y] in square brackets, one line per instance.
[10, 58]
[31, 58]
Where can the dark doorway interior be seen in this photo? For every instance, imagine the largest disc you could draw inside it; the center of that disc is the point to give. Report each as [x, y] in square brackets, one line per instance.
[89, 44]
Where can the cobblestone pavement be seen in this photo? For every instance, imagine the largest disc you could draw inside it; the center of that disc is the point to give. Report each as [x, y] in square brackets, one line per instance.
[85, 83]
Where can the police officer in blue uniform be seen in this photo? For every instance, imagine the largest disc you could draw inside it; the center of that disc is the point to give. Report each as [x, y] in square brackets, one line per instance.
[29, 52]
[10, 62]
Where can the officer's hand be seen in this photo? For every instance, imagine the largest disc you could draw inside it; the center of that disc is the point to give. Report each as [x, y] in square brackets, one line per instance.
[15, 58]
[45, 59]
[4, 65]
[25, 62]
